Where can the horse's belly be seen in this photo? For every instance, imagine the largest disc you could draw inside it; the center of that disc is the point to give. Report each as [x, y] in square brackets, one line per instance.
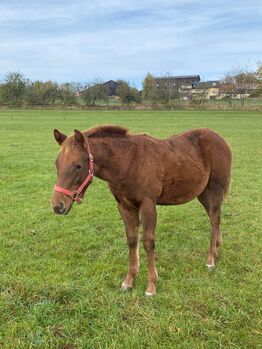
[179, 191]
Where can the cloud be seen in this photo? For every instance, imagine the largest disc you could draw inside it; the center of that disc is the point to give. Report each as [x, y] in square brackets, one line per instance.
[83, 40]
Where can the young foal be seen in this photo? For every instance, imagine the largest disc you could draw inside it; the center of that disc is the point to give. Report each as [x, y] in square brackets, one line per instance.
[142, 172]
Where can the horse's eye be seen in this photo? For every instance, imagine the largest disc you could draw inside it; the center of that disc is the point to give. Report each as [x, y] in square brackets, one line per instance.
[78, 166]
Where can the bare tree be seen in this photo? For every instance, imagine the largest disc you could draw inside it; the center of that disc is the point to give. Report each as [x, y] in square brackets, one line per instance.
[240, 81]
[167, 90]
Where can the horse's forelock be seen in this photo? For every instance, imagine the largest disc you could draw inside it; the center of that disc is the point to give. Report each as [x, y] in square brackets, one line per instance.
[70, 144]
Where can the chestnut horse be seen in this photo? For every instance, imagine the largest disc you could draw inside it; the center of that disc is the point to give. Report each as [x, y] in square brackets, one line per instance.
[143, 172]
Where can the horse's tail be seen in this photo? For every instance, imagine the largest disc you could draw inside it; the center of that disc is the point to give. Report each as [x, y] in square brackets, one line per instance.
[227, 188]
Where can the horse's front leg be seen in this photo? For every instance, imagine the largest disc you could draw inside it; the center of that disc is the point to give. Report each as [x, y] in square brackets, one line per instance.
[148, 220]
[131, 219]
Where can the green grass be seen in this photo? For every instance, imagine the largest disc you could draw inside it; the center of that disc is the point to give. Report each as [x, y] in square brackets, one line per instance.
[60, 276]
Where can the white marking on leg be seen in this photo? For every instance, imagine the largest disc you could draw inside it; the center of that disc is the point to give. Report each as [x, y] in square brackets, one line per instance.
[125, 287]
[210, 266]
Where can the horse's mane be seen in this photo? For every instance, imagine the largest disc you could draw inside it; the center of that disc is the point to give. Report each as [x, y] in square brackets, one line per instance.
[106, 131]
[110, 131]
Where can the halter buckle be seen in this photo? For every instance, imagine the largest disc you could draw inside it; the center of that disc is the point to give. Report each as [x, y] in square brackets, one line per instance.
[75, 197]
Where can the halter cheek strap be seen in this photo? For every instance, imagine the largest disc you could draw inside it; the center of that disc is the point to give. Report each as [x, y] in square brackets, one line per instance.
[89, 179]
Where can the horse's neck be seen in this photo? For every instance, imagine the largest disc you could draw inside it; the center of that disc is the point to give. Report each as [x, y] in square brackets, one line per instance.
[112, 158]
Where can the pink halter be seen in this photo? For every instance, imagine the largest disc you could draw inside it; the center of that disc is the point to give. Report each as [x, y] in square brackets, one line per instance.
[89, 179]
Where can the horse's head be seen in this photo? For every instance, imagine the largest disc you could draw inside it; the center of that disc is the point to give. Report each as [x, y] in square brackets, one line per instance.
[74, 171]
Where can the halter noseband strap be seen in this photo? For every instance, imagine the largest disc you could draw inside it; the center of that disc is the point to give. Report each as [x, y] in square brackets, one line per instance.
[89, 179]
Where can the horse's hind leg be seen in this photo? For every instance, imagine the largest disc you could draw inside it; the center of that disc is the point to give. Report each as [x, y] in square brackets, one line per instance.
[211, 198]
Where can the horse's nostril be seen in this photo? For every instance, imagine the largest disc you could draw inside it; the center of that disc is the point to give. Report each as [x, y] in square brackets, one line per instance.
[61, 206]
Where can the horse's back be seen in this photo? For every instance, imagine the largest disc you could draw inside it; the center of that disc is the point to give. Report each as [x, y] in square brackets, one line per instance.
[212, 148]
[195, 157]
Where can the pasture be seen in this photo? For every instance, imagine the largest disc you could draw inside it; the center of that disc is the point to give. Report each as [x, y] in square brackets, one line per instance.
[60, 276]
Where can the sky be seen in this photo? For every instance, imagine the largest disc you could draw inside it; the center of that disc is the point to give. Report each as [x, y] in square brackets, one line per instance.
[84, 40]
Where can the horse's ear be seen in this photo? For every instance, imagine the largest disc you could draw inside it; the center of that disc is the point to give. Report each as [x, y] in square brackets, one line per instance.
[79, 137]
[59, 137]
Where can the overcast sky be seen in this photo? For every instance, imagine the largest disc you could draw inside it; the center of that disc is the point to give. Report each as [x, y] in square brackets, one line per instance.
[83, 40]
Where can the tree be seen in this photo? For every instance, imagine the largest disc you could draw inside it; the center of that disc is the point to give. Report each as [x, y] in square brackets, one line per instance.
[166, 94]
[259, 81]
[226, 91]
[42, 93]
[243, 80]
[150, 92]
[259, 72]
[67, 94]
[94, 93]
[126, 93]
[52, 94]
[35, 93]
[167, 90]
[13, 89]
[200, 96]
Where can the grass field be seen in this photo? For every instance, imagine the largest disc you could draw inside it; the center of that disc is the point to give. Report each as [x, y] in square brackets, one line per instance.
[60, 276]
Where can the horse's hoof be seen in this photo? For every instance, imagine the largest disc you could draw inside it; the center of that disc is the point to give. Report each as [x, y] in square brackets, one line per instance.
[210, 267]
[149, 294]
[125, 287]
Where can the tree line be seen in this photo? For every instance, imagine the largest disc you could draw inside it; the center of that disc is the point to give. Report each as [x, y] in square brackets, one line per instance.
[17, 91]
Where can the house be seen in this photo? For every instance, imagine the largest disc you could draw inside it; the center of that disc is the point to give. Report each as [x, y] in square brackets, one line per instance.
[207, 89]
[110, 86]
[78, 93]
[181, 84]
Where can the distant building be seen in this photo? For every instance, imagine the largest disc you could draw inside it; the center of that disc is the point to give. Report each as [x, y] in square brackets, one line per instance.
[207, 89]
[111, 87]
[79, 92]
[182, 84]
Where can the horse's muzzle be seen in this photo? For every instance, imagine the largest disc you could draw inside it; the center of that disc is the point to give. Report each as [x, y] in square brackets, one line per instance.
[60, 208]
